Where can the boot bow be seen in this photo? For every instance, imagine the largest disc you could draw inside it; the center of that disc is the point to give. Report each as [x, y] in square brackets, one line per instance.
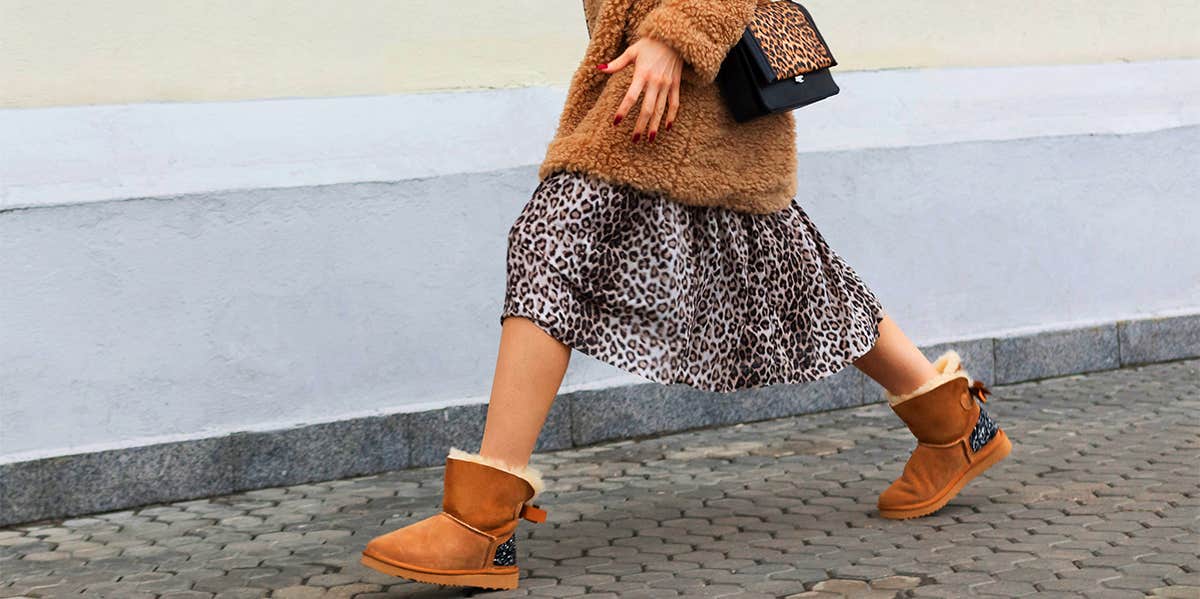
[532, 513]
[978, 389]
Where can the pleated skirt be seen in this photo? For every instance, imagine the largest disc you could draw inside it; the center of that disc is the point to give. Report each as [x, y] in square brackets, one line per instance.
[710, 297]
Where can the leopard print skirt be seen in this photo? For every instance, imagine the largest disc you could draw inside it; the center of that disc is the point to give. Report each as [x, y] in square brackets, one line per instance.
[714, 298]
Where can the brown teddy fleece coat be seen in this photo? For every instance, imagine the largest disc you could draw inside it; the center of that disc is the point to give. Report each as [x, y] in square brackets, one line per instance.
[706, 159]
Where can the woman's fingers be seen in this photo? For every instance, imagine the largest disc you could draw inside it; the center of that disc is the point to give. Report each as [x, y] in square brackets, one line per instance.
[651, 97]
[672, 101]
[655, 80]
[631, 96]
[660, 106]
[619, 62]
[625, 59]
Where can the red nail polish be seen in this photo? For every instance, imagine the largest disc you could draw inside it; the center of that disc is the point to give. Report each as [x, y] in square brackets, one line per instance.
[617, 120]
[668, 127]
[650, 138]
[602, 66]
[636, 136]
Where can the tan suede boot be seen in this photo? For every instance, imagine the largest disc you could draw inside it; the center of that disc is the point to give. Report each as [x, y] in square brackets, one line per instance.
[471, 542]
[956, 440]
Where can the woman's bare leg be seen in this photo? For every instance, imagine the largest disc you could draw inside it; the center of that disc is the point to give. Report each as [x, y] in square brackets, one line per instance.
[894, 362]
[529, 371]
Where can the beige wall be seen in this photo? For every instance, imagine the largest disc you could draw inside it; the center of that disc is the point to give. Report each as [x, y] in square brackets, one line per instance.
[54, 52]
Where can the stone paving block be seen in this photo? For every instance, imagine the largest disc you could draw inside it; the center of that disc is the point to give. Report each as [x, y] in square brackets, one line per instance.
[1180, 592]
[1005, 589]
[781, 507]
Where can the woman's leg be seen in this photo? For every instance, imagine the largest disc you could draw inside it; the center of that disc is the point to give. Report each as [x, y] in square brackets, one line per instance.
[952, 445]
[529, 371]
[483, 494]
[894, 362]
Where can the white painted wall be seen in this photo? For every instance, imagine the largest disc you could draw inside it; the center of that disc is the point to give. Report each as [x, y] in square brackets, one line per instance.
[64, 52]
[971, 207]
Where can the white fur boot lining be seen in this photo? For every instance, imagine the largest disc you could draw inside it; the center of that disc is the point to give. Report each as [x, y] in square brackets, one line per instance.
[527, 472]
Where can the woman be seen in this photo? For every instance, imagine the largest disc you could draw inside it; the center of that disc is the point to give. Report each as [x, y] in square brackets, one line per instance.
[664, 238]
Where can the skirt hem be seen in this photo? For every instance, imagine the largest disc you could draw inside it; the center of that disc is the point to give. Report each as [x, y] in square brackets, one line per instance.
[566, 337]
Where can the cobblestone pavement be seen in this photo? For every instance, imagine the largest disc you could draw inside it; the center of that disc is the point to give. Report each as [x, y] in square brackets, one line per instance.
[1100, 498]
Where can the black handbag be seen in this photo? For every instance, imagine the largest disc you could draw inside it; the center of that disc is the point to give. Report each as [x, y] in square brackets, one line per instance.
[780, 63]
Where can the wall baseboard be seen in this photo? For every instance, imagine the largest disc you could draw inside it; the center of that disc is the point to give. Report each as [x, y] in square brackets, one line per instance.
[71, 485]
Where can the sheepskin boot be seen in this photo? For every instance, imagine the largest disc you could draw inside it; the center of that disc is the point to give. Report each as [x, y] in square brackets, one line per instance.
[472, 541]
[956, 440]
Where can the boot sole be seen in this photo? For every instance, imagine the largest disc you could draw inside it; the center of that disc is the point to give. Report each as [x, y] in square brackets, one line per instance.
[1000, 448]
[484, 580]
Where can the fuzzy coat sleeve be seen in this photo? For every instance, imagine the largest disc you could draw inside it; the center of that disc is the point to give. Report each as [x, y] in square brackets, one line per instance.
[702, 31]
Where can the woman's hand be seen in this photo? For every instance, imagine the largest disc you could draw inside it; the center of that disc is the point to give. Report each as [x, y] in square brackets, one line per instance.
[657, 70]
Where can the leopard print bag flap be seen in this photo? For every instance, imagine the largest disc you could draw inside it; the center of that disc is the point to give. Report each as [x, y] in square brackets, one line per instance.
[788, 42]
[780, 63]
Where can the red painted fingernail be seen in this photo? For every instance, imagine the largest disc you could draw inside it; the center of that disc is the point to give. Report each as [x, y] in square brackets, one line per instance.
[668, 127]
[617, 120]
[602, 66]
[650, 138]
[636, 136]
